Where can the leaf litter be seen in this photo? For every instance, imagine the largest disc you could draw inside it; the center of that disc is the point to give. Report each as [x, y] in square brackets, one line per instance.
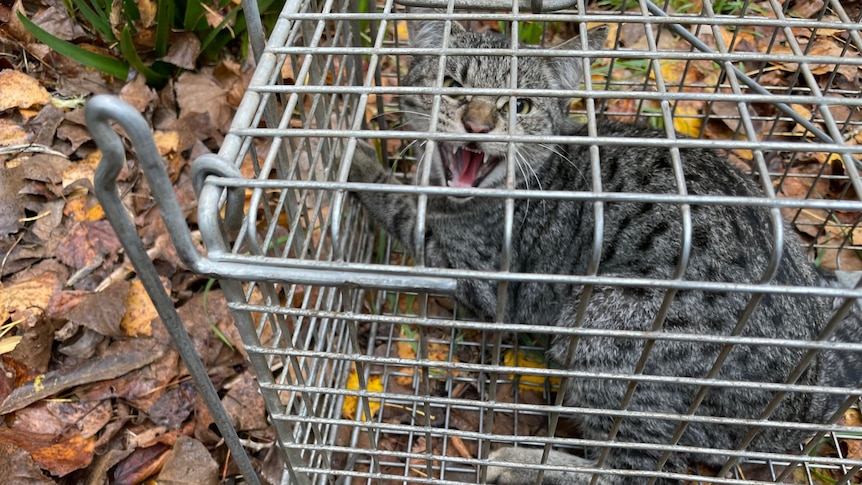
[91, 364]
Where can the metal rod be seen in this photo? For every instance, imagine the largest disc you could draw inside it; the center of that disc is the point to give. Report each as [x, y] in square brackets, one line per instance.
[100, 111]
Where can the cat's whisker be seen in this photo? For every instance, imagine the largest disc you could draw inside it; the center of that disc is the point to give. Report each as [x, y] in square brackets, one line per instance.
[560, 152]
[408, 112]
[522, 162]
[410, 145]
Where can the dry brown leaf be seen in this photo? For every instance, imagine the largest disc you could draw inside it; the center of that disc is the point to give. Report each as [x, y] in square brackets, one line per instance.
[17, 466]
[138, 94]
[11, 204]
[184, 50]
[18, 90]
[88, 243]
[83, 208]
[12, 133]
[244, 404]
[189, 458]
[88, 416]
[807, 9]
[820, 47]
[200, 93]
[59, 23]
[174, 406]
[140, 312]
[60, 455]
[102, 312]
[81, 170]
[74, 133]
[141, 464]
[28, 297]
[148, 9]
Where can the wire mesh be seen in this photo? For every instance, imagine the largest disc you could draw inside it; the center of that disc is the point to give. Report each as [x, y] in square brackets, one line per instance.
[373, 373]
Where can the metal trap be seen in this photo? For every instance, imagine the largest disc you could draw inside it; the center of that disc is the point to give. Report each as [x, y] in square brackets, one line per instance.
[372, 372]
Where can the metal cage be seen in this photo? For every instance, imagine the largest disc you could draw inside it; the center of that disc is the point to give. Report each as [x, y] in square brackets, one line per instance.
[370, 371]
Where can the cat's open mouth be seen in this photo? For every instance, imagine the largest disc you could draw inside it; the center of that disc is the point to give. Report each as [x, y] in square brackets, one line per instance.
[466, 166]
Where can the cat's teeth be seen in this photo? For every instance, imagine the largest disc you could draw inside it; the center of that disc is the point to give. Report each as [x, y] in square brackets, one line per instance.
[449, 183]
[485, 159]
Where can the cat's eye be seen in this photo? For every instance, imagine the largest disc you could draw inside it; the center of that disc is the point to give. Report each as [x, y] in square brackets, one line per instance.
[448, 82]
[522, 106]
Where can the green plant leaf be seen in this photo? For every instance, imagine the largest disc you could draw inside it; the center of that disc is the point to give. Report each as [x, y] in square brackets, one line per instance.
[131, 13]
[127, 47]
[164, 20]
[194, 19]
[218, 29]
[105, 64]
[98, 18]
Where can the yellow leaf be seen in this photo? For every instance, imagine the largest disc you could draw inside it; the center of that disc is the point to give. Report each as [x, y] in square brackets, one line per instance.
[526, 381]
[401, 27]
[375, 384]
[140, 312]
[8, 344]
[686, 119]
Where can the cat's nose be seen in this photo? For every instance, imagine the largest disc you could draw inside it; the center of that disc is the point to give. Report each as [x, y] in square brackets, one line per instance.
[475, 126]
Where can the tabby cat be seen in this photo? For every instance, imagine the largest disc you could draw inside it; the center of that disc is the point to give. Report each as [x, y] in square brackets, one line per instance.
[642, 240]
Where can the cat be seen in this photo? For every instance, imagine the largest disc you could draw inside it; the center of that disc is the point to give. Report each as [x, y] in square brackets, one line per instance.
[642, 240]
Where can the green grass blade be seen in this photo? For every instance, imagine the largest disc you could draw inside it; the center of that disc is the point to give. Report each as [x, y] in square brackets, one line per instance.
[127, 47]
[108, 65]
[219, 28]
[194, 19]
[164, 19]
[97, 18]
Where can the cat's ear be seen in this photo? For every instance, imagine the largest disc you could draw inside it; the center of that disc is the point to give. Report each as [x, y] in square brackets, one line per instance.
[570, 69]
[429, 33]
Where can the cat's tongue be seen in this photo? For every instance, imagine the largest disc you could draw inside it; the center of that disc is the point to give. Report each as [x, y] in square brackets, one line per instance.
[468, 162]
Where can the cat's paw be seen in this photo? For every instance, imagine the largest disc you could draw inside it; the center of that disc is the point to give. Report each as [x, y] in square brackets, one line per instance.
[365, 166]
[502, 475]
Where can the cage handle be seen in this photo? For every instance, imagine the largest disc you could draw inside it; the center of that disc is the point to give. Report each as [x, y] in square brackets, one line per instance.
[100, 110]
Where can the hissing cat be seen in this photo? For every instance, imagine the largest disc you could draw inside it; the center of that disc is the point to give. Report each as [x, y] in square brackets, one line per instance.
[728, 244]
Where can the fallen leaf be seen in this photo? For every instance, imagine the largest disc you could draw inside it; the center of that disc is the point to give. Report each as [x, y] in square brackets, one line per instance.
[89, 243]
[244, 404]
[37, 335]
[88, 416]
[140, 465]
[103, 311]
[12, 133]
[184, 49]
[173, 407]
[200, 93]
[374, 384]
[140, 312]
[531, 360]
[17, 466]
[189, 458]
[60, 24]
[168, 144]
[60, 455]
[18, 90]
[138, 94]
[821, 47]
[687, 119]
[94, 370]
[29, 297]
[11, 202]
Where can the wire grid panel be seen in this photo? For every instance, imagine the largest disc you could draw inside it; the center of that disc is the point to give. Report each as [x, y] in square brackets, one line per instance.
[374, 373]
